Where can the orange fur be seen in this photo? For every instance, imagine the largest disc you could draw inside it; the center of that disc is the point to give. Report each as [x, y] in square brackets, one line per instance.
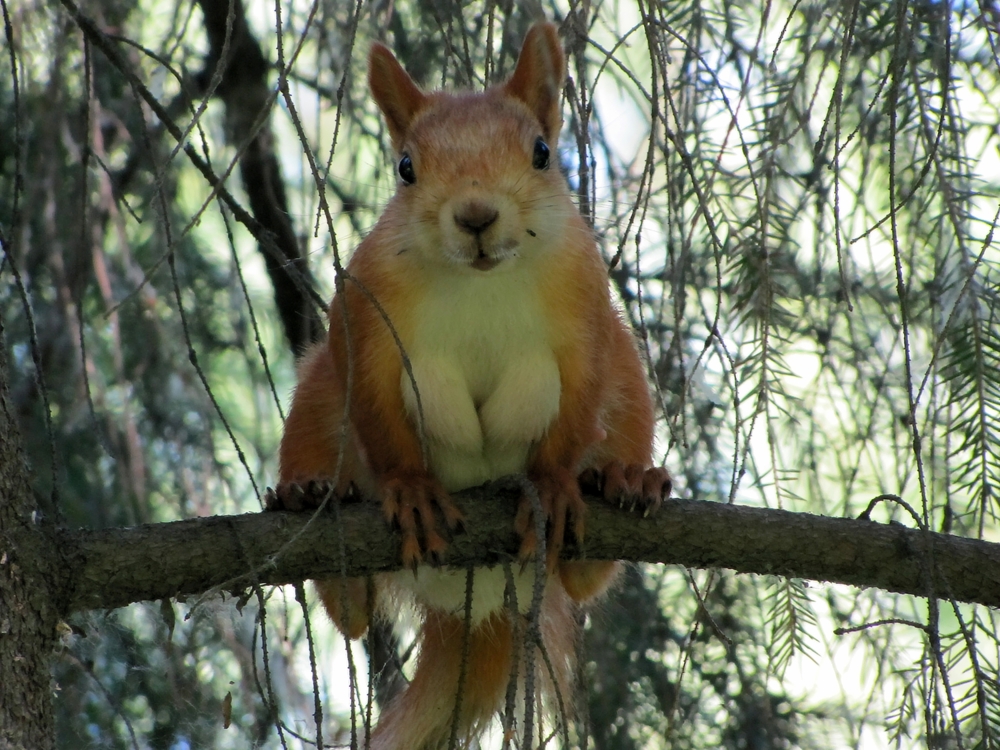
[491, 280]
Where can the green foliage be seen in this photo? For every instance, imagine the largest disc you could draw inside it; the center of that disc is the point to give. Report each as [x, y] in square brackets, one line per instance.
[792, 623]
[131, 674]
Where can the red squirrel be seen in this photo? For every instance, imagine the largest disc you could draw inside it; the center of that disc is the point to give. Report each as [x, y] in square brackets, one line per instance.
[518, 362]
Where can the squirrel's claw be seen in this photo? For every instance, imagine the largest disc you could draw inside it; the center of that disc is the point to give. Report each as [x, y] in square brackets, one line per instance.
[295, 496]
[410, 503]
[270, 498]
[562, 505]
[634, 487]
[656, 486]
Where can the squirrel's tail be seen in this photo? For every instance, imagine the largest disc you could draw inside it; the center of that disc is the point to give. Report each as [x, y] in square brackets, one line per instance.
[423, 716]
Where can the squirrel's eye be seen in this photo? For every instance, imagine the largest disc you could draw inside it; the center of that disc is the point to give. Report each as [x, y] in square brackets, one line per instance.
[406, 170]
[540, 159]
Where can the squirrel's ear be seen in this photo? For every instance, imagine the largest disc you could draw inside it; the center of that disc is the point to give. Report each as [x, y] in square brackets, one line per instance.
[396, 94]
[539, 77]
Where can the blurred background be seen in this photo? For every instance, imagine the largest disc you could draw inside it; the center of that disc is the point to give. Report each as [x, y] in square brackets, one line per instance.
[797, 203]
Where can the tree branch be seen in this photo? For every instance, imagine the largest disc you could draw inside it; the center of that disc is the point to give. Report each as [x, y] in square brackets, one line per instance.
[111, 568]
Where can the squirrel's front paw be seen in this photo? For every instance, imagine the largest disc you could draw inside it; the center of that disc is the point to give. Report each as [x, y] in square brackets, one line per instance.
[562, 505]
[305, 495]
[409, 502]
[629, 485]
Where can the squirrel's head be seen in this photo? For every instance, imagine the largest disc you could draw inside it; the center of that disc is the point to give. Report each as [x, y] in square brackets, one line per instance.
[477, 173]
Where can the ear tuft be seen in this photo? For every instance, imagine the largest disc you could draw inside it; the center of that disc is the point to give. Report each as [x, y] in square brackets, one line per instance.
[399, 98]
[539, 77]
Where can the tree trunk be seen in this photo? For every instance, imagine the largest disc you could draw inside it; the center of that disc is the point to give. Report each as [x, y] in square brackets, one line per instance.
[28, 595]
[243, 88]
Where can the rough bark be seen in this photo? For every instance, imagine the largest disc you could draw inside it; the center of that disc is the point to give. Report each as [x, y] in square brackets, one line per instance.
[114, 567]
[29, 596]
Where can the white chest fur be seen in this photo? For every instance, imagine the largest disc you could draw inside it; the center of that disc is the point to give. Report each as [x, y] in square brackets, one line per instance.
[482, 360]
[487, 377]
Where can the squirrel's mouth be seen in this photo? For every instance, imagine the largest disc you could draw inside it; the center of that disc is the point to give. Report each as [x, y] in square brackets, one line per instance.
[485, 263]
[485, 256]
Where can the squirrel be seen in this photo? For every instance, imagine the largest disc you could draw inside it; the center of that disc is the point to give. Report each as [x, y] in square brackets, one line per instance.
[472, 336]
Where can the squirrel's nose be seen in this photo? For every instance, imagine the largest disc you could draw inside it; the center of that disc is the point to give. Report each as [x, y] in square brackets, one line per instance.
[475, 217]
